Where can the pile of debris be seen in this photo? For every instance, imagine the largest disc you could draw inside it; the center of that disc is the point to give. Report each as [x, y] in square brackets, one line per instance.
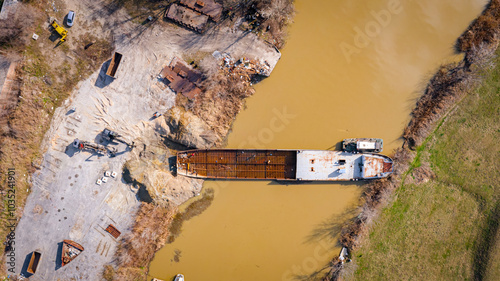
[244, 67]
[182, 78]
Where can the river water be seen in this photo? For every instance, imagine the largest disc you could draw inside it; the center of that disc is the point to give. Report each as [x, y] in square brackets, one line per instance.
[350, 68]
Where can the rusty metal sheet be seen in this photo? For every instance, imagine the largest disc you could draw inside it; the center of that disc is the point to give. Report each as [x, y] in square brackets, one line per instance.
[111, 229]
[372, 166]
[187, 17]
[179, 84]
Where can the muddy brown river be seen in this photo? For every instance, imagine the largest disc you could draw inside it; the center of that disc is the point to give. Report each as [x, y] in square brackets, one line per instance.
[349, 69]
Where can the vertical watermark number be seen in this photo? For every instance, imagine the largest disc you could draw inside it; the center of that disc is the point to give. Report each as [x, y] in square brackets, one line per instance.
[10, 202]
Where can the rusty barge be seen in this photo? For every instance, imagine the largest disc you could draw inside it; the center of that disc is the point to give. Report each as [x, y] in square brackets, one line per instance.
[286, 165]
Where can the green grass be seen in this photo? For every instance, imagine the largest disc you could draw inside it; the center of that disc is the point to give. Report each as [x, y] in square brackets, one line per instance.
[428, 232]
[448, 227]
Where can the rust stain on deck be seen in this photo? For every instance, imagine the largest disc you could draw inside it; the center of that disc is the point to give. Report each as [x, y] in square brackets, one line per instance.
[238, 164]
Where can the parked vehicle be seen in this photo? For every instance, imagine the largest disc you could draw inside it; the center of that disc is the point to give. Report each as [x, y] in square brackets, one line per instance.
[71, 19]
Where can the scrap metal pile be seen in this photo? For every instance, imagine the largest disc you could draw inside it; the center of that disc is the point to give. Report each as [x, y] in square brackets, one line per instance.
[244, 67]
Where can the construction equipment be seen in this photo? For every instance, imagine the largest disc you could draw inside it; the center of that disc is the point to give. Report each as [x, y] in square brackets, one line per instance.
[59, 29]
[113, 66]
[94, 147]
[111, 136]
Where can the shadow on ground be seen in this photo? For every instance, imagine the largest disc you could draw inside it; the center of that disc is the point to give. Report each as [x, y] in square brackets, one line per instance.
[59, 255]
[24, 270]
[486, 243]
[104, 80]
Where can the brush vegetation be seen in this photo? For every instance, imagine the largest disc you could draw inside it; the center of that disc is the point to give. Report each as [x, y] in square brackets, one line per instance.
[13, 34]
[137, 249]
[267, 18]
[194, 209]
[223, 98]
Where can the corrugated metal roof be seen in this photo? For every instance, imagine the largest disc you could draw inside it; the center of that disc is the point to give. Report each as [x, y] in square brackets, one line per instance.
[179, 84]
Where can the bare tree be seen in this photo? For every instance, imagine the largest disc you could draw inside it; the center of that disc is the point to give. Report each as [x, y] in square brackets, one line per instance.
[13, 30]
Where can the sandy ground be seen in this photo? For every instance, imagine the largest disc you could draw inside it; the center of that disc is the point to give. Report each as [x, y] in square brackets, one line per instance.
[65, 201]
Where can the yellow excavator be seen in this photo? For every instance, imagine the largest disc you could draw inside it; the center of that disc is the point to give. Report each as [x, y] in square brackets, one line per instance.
[59, 29]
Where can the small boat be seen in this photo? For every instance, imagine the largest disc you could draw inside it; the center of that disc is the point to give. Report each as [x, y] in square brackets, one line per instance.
[362, 145]
[179, 277]
[70, 251]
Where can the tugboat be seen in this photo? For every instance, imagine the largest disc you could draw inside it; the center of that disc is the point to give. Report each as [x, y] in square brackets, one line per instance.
[362, 145]
[70, 251]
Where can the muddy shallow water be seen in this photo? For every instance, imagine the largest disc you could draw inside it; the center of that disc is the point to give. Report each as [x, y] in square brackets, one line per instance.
[349, 69]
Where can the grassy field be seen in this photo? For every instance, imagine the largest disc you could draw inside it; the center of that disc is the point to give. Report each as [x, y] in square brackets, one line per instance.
[445, 227]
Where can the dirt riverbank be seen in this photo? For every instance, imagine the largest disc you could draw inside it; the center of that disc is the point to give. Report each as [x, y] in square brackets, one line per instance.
[451, 83]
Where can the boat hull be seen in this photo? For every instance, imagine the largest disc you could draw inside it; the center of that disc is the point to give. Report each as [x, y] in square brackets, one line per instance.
[282, 165]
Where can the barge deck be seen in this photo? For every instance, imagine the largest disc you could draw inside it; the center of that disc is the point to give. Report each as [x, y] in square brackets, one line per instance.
[237, 164]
